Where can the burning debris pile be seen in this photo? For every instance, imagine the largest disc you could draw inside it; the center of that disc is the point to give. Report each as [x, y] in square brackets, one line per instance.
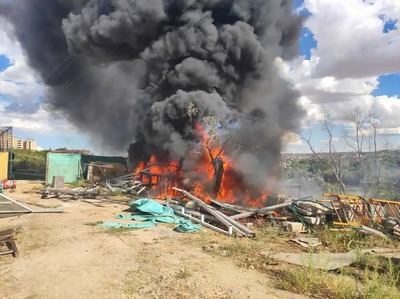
[152, 75]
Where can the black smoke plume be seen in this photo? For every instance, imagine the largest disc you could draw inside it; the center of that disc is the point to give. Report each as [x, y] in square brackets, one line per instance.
[142, 73]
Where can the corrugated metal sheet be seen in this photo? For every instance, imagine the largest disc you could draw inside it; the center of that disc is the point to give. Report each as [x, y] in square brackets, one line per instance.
[3, 165]
[66, 165]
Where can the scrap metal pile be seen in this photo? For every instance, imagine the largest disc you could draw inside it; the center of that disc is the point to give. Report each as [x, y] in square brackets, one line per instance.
[370, 216]
[127, 184]
[74, 193]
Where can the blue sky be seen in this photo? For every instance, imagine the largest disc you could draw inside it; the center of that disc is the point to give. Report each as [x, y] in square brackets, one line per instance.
[4, 62]
[388, 85]
[313, 46]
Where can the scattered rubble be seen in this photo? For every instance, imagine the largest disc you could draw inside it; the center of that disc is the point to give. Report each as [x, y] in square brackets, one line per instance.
[307, 242]
[73, 193]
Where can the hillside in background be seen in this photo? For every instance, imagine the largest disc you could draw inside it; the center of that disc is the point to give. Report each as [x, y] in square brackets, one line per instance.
[315, 173]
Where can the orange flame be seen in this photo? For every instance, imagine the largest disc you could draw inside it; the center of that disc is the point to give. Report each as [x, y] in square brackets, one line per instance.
[161, 177]
[232, 188]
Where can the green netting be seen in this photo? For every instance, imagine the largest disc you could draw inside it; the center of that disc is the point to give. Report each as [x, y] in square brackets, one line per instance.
[148, 213]
[66, 165]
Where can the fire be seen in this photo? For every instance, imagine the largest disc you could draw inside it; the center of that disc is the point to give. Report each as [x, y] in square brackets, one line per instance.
[160, 177]
[232, 187]
[210, 158]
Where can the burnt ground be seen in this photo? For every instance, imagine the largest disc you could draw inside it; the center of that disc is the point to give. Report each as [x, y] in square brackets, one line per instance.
[69, 256]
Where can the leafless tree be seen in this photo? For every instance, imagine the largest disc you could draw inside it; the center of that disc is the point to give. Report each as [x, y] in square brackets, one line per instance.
[354, 138]
[334, 157]
[374, 122]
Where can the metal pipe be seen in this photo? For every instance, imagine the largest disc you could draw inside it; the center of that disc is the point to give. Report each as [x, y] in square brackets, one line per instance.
[205, 224]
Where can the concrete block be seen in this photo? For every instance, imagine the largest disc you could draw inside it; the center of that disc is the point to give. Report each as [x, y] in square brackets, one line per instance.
[296, 227]
[58, 182]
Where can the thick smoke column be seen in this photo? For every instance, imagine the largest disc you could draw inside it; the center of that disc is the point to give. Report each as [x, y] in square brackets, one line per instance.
[143, 72]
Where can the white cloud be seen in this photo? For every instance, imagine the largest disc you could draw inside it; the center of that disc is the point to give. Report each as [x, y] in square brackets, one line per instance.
[18, 82]
[343, 71]
[43, 121]
[351, 41]
[20, 85]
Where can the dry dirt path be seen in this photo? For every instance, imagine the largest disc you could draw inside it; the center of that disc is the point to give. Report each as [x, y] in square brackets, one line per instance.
[67, 256]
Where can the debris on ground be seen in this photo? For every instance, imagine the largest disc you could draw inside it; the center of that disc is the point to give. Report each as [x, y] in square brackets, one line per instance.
[368, 216]
[147, 213]
[73, 193]
[126, 184]
[330, 261]
[7, 239]
[307, 242]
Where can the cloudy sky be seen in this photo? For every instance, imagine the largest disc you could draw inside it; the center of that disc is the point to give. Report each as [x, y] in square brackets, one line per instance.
[349, 59]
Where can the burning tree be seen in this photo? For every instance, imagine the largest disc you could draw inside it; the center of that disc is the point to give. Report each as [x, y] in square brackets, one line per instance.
[214, 145]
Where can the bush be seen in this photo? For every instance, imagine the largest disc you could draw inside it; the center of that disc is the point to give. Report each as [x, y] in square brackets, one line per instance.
[32, 161]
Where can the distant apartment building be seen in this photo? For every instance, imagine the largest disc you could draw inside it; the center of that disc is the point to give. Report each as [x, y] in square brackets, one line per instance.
[8, 141]
[28, 144]
[17, 143]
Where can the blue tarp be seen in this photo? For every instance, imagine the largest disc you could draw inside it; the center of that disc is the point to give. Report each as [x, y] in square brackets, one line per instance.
[147, 213]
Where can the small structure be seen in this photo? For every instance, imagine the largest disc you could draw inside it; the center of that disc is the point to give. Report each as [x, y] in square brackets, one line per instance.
[99, 168]
[74, 166]
[100, 171]
[66, 165]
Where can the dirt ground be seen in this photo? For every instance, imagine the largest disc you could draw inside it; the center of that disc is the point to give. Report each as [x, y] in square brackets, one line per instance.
[68, 256]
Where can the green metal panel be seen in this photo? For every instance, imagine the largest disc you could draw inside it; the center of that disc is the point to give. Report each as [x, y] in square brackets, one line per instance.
[66, 165]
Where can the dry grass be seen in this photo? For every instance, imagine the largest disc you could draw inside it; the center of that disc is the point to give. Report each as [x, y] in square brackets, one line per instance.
[320, 284]
[183, 273]
[370, 277]
[342, 241]
[94, 223]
